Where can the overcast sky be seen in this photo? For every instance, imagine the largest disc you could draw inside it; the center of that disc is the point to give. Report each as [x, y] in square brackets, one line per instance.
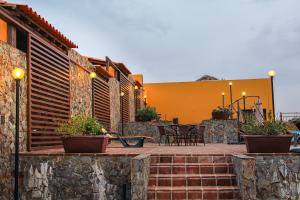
[181, 40]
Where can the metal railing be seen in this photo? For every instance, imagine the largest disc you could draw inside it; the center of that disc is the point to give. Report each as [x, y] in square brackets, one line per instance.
[286, 116]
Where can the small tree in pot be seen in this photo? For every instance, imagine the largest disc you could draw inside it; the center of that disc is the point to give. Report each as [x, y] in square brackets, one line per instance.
[221, 113]
[266, 137]
[83, 135]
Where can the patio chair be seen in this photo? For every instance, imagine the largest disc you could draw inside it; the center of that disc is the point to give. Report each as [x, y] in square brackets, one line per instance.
[199, 137]
[163, 133]
[183, 135]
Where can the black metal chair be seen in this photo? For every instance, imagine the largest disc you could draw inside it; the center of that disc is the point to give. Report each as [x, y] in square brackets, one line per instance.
[166, 132]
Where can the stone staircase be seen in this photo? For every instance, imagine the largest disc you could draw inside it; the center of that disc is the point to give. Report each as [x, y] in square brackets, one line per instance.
[192, 177]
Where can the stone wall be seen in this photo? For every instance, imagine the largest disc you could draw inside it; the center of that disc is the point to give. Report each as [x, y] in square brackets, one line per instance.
[140, 170]
[131, 101]
[10, 57]
[114, 87]
[144, 128]
[75, 177]
[244, 168]
[221, 131]
[80, 84]
[276, 176]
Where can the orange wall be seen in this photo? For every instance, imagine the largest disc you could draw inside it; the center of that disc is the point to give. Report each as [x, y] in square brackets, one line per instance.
[193, 102]
[3, 30]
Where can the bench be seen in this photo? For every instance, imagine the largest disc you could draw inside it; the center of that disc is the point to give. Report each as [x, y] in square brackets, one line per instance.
[125, 139]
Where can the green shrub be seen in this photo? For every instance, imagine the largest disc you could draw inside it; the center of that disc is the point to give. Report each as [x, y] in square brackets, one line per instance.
[146, 114]
[266, 128]
[81, 125]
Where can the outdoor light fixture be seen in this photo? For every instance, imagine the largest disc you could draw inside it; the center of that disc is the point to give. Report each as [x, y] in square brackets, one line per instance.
[136, 87]
[223, 95]
[93, 75]
[244, 99]
[122, 114]
[17, 73]
[230, 93]
[272, 73]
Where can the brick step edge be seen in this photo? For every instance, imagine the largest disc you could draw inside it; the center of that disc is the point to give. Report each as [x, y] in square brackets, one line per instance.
[193, 188]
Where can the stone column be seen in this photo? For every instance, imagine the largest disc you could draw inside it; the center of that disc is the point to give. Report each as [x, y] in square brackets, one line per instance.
[115, 115]
[244, 168]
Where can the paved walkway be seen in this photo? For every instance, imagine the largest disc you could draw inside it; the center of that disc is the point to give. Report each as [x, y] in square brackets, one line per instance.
[150, 148]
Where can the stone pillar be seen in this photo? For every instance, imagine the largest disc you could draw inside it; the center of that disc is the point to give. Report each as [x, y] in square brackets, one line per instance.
[131, 101]
[10, 57]
[115, 115]
[244, 168]
[80, 85]
[140, 170]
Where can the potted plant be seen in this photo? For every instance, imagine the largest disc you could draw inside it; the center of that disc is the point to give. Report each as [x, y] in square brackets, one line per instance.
[147, 114]
[267, 137]
[220, 113]
[83, 135]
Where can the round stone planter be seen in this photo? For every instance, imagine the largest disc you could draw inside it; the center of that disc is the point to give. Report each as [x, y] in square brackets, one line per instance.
[85, 144]
[268, 144]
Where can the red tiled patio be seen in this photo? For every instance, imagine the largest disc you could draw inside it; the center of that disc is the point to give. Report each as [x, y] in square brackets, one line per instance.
[154, 149]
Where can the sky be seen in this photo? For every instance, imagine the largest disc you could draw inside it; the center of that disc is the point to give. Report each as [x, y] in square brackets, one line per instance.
[181, 40]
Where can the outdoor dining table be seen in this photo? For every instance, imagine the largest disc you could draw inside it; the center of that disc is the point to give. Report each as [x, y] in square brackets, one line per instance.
[184, 133]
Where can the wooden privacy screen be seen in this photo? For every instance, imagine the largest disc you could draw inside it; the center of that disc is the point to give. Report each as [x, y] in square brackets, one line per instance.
[102, 102]
[49, 93]
[125, 84]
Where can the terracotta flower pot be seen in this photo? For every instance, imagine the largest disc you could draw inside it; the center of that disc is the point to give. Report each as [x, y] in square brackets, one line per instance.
[85, 144]
[268, 144]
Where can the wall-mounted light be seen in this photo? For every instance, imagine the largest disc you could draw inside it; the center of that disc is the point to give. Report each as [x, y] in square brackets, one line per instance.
[122, 94]
[136, 87]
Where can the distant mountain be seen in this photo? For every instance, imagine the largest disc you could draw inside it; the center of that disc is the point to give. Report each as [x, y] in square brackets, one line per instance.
[207, 78]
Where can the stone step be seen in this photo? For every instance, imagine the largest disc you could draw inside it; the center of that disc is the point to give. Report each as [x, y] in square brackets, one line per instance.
[191, 168]
[218, 158]
[193, 192]
[192, 180]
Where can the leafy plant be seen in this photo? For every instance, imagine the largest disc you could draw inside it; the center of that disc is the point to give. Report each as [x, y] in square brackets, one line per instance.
[81, 125]
[220, 110]
[146, 114]
[266, 128]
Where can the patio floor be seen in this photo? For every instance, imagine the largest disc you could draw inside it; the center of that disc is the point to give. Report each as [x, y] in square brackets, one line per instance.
[154, 149]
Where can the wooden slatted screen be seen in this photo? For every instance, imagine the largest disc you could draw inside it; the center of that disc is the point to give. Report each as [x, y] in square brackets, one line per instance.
[125, 84]
[102, 102]
[49, 93]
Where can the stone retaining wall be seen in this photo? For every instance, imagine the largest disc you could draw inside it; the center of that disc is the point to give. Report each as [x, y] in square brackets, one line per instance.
[277, 176]
[140, 170]
[76, 176]
[144, 128]
[221, 131]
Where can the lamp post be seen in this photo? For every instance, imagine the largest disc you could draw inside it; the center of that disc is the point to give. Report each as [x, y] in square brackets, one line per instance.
[223, 95]
[244, 100]
[230, 93]
[272, 73]
[135, 97]
[122, 120]
[93, 75]
[145, 100]
[17, 74]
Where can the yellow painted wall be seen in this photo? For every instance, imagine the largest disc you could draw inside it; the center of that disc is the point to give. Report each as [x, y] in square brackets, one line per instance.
[3, 31]
[193, 102]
